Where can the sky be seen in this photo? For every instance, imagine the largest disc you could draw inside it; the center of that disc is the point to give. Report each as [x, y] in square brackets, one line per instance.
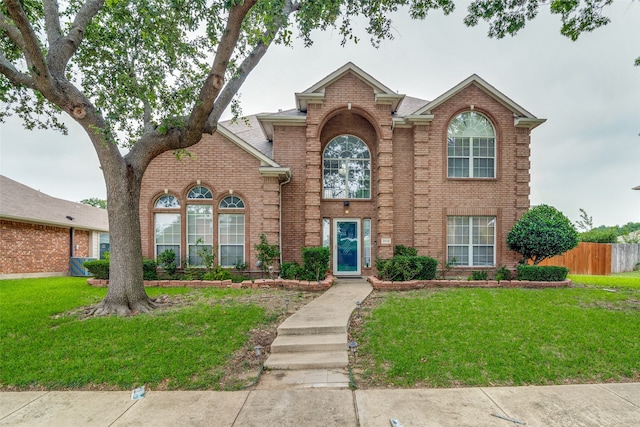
[586, 155]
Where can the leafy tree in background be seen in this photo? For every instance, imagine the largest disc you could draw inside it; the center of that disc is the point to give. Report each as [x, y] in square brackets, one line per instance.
[95, 202]
[154, 75]
[542, 232]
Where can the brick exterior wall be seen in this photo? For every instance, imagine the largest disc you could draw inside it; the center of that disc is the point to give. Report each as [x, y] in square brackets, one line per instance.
[27, 248]
[411, 193]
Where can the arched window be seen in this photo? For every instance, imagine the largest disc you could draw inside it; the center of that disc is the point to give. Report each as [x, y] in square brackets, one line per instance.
[199, 192]
[471, 147]
[199, 225]
[167, 226]
[346, 169]
[231, 231]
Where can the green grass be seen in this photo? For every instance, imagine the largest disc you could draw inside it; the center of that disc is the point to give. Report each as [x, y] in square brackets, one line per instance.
[44, 345]
[629, 279]
[484, 337]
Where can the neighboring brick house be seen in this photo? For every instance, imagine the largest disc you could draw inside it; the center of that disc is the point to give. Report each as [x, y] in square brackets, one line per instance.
[39, 234]
[356, 167]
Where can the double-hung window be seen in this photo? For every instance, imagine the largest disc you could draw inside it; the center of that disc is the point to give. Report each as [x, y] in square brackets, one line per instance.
[471, 240]
[471, 147]
[231, 231]
[167, 225]
[346, 169]
[199, 225]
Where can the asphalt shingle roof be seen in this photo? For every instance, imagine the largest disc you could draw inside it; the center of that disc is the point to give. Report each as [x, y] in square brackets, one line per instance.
[21, 203]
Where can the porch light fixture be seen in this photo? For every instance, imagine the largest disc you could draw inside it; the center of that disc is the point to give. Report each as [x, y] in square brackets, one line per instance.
[346, 206]
[258, 350]
[286, 305]
[358, 304]
[353, 346]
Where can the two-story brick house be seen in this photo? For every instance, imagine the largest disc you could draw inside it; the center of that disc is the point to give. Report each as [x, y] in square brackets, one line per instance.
[356, 167]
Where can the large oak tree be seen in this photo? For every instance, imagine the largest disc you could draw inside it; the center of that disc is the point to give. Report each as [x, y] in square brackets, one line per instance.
[152, 76]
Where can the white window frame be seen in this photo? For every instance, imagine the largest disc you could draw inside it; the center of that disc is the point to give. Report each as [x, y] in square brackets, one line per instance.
[171, 242]
[471, 137]
[341, 170]
[199, 232]
[465, 233]
[233, 207]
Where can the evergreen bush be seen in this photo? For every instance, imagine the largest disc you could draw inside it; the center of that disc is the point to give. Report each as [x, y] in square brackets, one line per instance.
[315, 263]
[542, 273]
[98, 268]
[402, 268]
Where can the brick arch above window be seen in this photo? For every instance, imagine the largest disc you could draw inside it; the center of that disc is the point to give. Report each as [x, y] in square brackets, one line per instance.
[471, 146]
[231, 202]
[167, 201]
[199, 192]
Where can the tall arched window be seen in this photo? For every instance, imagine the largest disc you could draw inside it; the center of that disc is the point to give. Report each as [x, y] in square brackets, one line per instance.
[346, 169]
[167, 225]
[231, 231]
[471, 147]
[199, 225]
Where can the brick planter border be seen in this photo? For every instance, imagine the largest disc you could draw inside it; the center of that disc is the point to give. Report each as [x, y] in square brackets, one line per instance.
[421, 284]
[299, 285]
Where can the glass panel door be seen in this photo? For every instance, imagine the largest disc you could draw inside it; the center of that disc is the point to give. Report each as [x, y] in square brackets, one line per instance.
[346, 254]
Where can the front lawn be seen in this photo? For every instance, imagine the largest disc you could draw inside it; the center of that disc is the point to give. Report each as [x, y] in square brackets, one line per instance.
[629, 279]
[46, 343]
[489, 337]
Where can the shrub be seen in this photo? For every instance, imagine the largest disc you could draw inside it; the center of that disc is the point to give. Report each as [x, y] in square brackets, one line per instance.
[599, 236]
[267, 254]
[479, 275]
[404, 251]
[290, 270]
[218, 273]
[98, 268]
[149, 269]
[542, 232]
[315, 263]
[167, 260]
[503, 273]
[403, 268]
[542, 273]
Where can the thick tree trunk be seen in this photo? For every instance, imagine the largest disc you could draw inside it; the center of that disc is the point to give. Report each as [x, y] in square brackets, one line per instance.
[126, 294]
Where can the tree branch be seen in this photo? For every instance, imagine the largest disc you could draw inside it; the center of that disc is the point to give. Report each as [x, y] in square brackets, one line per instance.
[52, 21]
[249, 63]
[12, 31]
[16, 77]
[32, 52]
[65, 47]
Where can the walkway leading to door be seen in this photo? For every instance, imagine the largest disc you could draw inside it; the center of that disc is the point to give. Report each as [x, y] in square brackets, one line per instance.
[315, 337]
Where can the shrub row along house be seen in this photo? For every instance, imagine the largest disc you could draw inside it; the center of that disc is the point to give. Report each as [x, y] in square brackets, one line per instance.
[44, 236]
[356, 167]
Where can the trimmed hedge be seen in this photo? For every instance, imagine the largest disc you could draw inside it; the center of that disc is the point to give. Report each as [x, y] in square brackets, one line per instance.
[98, 268]
[404, 268]
[290, 270]
[542, 273]
[315, 263]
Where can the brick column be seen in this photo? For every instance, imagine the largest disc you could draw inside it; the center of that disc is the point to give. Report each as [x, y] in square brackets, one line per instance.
[385, 193]
[313, 190]
[421, 188]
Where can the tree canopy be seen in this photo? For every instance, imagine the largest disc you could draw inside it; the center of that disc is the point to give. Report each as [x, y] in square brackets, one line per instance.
[154, 75]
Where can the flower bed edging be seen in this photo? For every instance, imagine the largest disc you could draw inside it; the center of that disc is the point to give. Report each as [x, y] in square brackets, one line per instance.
[421, 284]
[299, 285]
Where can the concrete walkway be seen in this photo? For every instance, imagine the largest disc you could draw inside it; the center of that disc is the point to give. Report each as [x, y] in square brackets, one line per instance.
[315, 337]
[592, 405]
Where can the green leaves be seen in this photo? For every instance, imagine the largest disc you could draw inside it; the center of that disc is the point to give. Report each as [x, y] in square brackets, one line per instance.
[542, 232]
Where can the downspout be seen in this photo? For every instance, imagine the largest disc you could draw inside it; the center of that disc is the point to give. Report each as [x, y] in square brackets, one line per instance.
[280, 217]
[71, 242]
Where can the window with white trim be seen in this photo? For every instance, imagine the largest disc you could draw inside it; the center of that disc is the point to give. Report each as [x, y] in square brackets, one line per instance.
[167, 226]
[471, 240]
[231, 232]
[471, 147]
[199, 225]
[346, 169]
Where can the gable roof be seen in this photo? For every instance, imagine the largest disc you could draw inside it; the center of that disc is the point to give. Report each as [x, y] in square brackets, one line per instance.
[316, 92]
[25, 204]
[522, 118]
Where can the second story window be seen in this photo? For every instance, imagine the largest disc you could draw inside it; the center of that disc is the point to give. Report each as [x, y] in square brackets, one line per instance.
[346, 169]
[471, 147]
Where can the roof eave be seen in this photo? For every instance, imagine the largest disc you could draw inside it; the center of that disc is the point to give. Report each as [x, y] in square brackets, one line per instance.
[264, 160]
[281, 173]
[528, 122]
[267, 121]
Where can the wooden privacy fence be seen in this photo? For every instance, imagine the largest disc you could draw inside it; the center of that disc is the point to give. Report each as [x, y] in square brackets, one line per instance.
[586, 258]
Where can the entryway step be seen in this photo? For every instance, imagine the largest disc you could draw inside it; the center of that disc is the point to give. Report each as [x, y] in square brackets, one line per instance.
[307, 343]
[312, 360]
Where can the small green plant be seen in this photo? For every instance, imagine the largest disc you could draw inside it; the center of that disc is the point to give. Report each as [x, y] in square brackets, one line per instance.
[290, 270]
[479, 275]
[98, 268]
[267, 254]
[636, 267]
[149, 269]
[503, 273]
[315, 263]
[207, 256]
[447, 267]
[403, 268]
[218, 273]
[167, 260]
[402, 250]
[240, 265]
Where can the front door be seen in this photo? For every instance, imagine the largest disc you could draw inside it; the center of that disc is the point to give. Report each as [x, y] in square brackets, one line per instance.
[346, 246]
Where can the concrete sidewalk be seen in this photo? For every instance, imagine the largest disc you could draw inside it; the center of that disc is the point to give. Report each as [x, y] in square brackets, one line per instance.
[594, 405]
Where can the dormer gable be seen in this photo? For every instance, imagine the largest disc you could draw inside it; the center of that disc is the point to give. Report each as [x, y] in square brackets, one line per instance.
[315, 94]
[522, 117]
